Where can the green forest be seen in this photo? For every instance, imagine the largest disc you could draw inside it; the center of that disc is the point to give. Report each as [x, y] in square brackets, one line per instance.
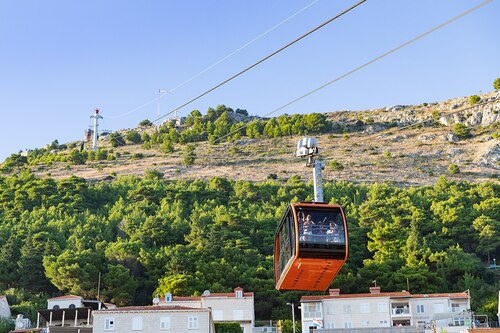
[147, 235]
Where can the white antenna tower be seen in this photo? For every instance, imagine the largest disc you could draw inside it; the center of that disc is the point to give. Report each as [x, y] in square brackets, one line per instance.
[308, 147]
[96, 117]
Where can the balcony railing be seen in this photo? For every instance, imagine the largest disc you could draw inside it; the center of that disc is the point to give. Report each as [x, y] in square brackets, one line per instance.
[400, 311]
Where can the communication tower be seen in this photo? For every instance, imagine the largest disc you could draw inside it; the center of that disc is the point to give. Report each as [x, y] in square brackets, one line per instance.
[96, 117]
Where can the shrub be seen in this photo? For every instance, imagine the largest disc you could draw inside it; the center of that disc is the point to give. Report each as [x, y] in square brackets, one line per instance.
[461, 130]
[6, 325]
[145, 123]
[137, 156]
[189, 155]
[228, 328]
[77, 157]
[453, 169]
[335, 165]
[117, 139]
[167, 146]
[133, 136]
[474, 99]
[272, 176]
[496, 84]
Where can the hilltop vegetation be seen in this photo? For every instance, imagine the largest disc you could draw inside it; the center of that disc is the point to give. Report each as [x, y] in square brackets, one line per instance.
[149, 235]
[194, 206]
[403, 145]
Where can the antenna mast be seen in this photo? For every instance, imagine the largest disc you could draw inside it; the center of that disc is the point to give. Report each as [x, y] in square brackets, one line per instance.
[96, 117]
[308, 147]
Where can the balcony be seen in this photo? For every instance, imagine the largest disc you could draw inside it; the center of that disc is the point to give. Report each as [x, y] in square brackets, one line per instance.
[402, 310]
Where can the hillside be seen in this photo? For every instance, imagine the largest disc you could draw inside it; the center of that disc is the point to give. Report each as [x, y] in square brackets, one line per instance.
[156, 224]
[402, 145]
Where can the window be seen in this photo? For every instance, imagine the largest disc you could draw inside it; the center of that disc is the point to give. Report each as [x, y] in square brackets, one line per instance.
[420, 308]
[459, 321]
[136, 323]
[347, 324]
[455, 307]
[312, 310]
[438, 308]
[168, 297]
[382, 307]
[365, 307]
[383, 323]
[285, 246]
[192, 323]
[217, 314]
[239, 293]
[164, 323]
[330, 325]
[55, 307]
[347, 308]
[109, 324]
[238, 314]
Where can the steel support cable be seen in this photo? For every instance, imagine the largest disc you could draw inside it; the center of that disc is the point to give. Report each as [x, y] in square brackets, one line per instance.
[365, 65]
[218, 62]
[262, 60]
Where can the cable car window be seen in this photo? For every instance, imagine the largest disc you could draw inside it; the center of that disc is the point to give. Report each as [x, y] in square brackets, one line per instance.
[286, 246]
[318, 226]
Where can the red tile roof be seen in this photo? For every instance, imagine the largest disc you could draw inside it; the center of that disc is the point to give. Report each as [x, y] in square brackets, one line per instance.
[151, 308]
[451, 295]
[320, 297]
[382, 294]
[198, 298]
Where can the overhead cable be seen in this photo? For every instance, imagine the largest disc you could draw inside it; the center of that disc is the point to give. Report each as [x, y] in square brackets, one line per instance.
[218, 62]
[364, 65]
[262, 60]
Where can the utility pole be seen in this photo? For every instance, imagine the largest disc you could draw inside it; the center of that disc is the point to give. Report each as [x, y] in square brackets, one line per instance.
[96, 117]
[293, 315]
[308, 147]
[160, 92]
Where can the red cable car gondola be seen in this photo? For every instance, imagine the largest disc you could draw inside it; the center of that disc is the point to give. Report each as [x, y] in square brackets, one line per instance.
[310, 246]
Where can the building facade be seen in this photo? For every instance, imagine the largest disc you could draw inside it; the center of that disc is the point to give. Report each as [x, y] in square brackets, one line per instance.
[153, 319]
[68, 314]
[378, 310]
[237, 306]
[4, 307]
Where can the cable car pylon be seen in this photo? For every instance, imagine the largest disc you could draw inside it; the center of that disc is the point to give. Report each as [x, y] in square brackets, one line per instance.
[311, 241]
[308, 147]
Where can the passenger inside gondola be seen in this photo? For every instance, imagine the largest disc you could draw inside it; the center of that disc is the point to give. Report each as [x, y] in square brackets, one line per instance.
[327, 229]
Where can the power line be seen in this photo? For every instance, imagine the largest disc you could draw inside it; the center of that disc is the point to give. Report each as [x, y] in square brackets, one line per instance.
[365, 64]
[262, 60]
[242, 47]
[219, 61]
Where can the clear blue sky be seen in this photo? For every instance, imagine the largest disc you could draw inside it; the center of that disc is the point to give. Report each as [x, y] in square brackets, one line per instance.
[61, 59]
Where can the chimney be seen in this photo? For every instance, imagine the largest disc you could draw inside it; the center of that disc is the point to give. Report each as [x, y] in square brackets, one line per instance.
[374, 290]
[334, 292]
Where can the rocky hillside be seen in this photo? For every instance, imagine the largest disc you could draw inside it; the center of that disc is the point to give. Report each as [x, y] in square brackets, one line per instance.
[403, 145]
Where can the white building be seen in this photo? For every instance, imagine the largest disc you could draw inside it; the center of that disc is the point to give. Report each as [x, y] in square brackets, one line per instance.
[450, 311]
[68, 314]
[237, 306]
[153, 319]
[4, 307]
